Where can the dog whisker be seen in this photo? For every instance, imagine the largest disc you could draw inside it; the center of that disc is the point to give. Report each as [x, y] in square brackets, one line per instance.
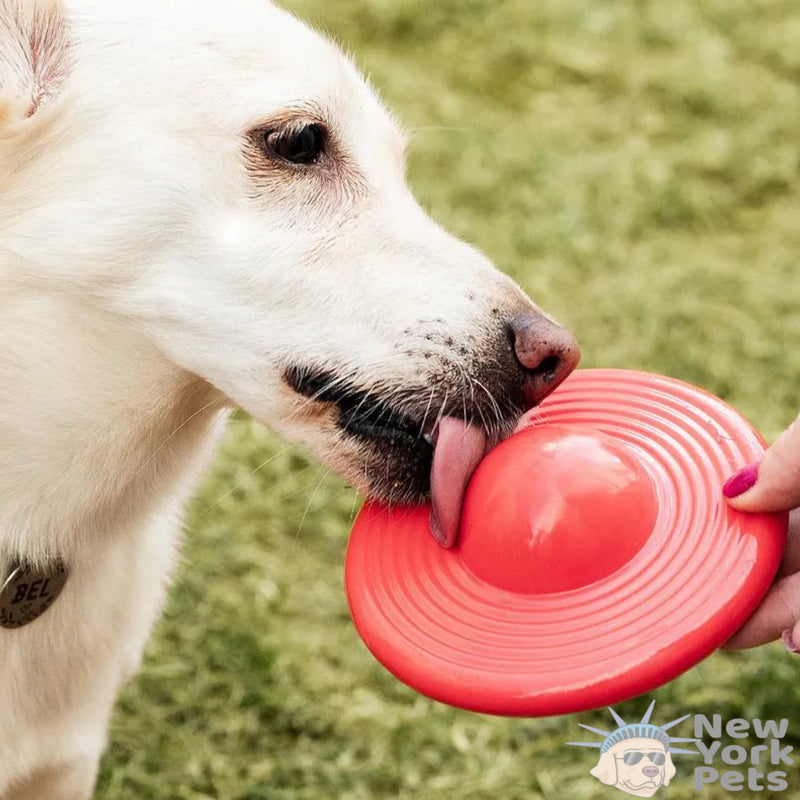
[174, 433]
[426, 128]
[353, 510]
[441, 409]
[495, 406]
[325, 474]
[252, 472]
[427, 411]
[333, 383]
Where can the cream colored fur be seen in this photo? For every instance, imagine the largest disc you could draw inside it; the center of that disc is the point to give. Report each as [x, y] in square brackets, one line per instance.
[148, 283]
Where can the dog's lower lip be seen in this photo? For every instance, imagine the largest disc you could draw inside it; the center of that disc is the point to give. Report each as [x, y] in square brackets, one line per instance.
[398, 430]
[361, 413]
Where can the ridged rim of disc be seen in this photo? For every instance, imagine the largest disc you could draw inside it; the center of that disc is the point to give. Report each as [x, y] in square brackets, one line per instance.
[437, 627]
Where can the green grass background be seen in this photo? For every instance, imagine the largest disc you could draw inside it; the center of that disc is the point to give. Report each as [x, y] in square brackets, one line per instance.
[635, 166]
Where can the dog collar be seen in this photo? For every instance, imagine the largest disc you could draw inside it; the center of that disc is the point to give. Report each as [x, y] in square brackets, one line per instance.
[29, 591]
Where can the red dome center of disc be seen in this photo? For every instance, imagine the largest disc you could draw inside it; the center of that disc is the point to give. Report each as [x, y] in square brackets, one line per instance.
[555, 508]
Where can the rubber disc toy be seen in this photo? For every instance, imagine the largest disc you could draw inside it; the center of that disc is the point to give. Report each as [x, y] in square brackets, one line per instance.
[597, 558]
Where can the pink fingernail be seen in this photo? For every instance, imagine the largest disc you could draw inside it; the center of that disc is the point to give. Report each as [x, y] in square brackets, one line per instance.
[743, 480]
[788, 641]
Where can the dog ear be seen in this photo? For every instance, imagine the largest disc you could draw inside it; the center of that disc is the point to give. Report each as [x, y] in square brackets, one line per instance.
[34, 56]
[669, 770]
[606, 769]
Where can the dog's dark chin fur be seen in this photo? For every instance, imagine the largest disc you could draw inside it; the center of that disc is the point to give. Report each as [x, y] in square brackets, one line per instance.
[397, 471]
[393, 474]
[391, 452]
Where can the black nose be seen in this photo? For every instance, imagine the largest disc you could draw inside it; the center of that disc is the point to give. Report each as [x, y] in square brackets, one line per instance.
[546, 352]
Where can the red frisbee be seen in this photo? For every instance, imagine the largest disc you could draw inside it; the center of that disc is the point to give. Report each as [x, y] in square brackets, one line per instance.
[597, 557]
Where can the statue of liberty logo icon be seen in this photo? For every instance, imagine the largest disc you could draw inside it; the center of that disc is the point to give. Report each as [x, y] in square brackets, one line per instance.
[636, 758]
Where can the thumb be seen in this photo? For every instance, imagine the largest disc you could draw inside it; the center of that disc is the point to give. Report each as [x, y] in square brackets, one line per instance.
[773, 484]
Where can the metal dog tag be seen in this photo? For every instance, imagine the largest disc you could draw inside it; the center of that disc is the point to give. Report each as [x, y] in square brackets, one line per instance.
[28, 592]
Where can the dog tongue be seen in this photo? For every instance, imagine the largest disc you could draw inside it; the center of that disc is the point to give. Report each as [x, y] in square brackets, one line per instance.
[458, 449]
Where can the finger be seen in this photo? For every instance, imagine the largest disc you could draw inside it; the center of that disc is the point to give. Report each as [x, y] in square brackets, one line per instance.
[779, 610]
[791, 638]
[791, 553]
[774, 483]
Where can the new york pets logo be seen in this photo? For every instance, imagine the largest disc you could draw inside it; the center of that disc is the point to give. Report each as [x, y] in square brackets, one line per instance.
[636, 757]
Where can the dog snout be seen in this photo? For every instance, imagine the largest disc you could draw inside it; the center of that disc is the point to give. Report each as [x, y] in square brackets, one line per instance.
[545, 352]
[650, 772]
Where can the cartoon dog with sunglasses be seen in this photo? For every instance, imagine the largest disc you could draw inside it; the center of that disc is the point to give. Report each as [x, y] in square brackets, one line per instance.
[636, 759]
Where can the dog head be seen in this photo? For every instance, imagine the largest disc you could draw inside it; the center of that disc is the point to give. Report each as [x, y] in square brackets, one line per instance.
[221, 178]
[638, 766]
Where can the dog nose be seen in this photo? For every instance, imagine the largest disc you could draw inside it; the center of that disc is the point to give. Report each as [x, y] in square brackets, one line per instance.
[546, 352]
[650, 772]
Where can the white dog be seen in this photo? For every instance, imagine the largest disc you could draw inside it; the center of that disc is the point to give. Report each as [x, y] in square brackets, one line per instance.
[202, 206]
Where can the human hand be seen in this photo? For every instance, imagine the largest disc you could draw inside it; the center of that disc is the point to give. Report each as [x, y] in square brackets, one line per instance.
[773, 484]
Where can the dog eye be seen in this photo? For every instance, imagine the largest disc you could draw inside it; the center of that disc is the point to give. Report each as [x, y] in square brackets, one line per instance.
[298, 145]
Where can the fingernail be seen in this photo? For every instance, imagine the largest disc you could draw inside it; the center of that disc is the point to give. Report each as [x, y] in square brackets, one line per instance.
[788, 641]
[743, 480]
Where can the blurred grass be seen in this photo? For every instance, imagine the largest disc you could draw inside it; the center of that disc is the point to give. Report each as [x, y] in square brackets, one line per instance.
[635, 166]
